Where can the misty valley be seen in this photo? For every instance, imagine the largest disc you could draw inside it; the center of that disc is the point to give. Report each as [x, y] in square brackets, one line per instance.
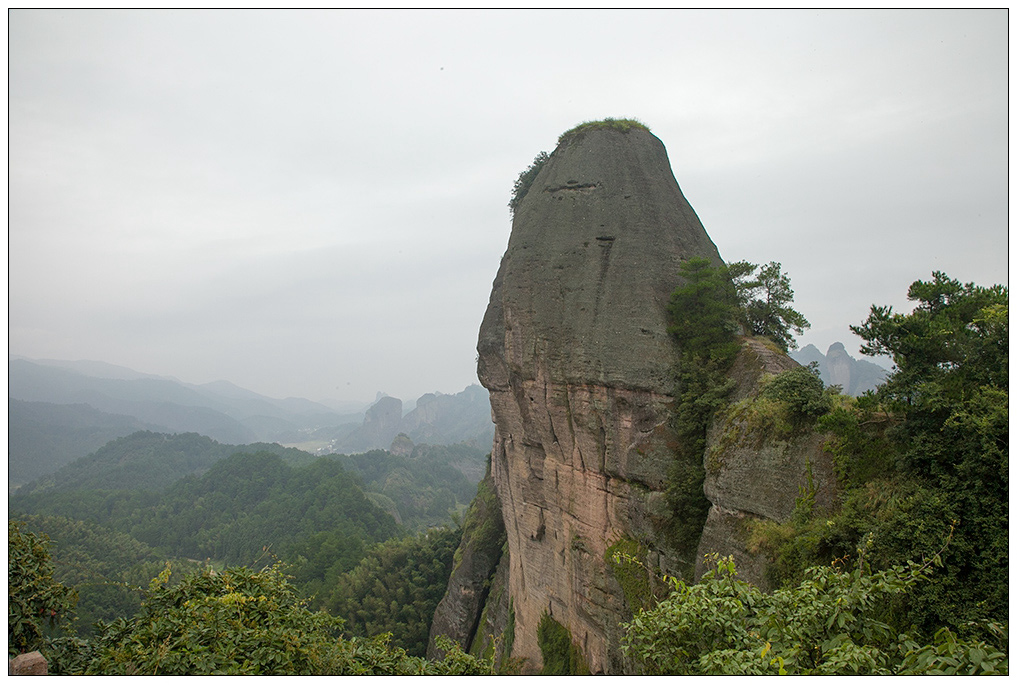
[366, 535]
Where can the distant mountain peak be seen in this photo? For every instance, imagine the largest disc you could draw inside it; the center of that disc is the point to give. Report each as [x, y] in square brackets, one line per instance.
[837, 367]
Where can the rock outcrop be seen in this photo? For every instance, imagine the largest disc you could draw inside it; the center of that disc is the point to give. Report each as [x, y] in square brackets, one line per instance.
[751, 476]
[575, 353]
[381, 426]
[32, 663]
[458, 614]
[437, 419]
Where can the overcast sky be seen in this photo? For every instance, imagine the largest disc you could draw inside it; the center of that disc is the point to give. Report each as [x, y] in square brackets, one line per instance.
[314, 203]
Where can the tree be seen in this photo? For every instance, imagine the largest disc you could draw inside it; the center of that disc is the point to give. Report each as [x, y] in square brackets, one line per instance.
[766, 300]
[832, 623]
[955, 341]
[704, 312]
[38, 606]
[703, 317]
[948, 397]
[525, 180]
[243, 622]
[396, 587]
[714, 304]
[924, 455]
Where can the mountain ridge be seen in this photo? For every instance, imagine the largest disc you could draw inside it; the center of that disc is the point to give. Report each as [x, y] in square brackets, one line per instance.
[854, 376]
[51, 400]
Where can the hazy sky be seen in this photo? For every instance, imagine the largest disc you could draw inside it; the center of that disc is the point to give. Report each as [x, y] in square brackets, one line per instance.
[314, 203]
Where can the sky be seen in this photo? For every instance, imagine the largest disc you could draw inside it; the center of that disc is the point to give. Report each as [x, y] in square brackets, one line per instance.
[314, 204]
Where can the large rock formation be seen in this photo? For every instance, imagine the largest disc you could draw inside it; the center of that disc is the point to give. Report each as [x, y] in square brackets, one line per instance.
[437, 419]
[751, 475]
[381, 426]
[575, 353]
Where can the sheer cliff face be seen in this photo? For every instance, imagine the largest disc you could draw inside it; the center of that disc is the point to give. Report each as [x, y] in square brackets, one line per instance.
[574, 351]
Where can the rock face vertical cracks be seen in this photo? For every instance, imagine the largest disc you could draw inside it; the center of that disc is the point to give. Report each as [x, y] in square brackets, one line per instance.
[575, 353]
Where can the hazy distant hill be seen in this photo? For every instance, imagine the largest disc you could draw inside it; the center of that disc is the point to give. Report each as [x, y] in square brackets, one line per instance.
[149, 461]
[42, 437]
[437, 419]
[837, 367]
[219, 410]
[63, 410]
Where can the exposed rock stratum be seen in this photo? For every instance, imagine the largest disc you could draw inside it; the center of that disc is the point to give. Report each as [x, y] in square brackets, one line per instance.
[575, 353]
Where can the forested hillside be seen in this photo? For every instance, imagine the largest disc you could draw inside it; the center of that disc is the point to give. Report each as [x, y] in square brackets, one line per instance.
[118, 516]
[417, 488]
[42, 437]
[147, 461]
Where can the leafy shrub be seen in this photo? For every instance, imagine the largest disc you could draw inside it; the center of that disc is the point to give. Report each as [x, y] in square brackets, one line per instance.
[244, 622]
[831, 623]
[801, 390]
[525, 180]
[38, 606]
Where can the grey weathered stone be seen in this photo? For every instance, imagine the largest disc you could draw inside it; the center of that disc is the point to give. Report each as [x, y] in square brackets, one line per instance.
[854, 376]
[575, 352]
[381, 425]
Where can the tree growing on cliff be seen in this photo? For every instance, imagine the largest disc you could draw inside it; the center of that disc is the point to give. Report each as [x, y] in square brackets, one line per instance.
[949, 399]
[525, 180]
[927, 454]
[716, 302]
[714, 305]
[766, 298]
[703, 321]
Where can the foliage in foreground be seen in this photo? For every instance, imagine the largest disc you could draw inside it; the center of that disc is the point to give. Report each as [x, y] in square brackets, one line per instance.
[38, 605]
[925, 456]
[244, 622]
[107, 569]
[832, 623]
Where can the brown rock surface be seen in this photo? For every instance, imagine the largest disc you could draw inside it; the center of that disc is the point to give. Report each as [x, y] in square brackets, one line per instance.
[575, 353]
[750, 476]
[458, 614]
[32, 663]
